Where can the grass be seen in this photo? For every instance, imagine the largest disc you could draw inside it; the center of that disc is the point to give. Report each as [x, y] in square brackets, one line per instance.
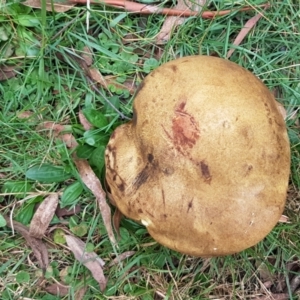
[51, 86]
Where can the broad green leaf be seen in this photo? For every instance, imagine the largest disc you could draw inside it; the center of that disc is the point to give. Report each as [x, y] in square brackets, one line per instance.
[71, 194]
[95, 138]
[84, 151]
[117, 20]
[27, 20]
[97, 158]
[2, 221]
[59, 236]
[25, 213]
[115, 101]
[23, 277]
[18, 188]
[150, 64]
[47, 173]
[3, 34]
[95, 117]
[80, 229]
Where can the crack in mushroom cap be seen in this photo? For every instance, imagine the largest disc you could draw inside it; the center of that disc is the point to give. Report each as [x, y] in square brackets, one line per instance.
[204, 163]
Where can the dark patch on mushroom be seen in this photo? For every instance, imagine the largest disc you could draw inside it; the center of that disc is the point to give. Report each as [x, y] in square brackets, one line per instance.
[134, 117]
[168, 171]
[149, 213]
[190, 205]
[163, 197]
[185, 129]
[111, 159]
[174, 68]
[205, 172]
[140, 211]
[150, 157]
[248, 168]
[181, 106]
[141, 178]
[121, 187]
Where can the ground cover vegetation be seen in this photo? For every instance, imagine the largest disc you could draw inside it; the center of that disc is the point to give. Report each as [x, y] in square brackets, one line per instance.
[68, 77]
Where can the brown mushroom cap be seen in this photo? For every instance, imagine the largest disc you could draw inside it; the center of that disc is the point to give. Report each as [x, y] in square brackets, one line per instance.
[204, 163]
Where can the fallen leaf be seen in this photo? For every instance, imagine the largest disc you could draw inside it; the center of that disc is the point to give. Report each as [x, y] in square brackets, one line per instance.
[87, 56]
[264, 273]
[281, 109]
[105, 81]
[121, 257]
[117, 217]
[87, 175]
[89, 259]
[59, 131]
[38, 247]
[67, 211]
[245, 30]
[59, 6]
[6, 73]
[171, 22]
[93, 183]
[284, 219]
[24, 114]
[79, 294]
[58, 289]
[295, 283]
[43, 216]
[84, 122]
[96, 76]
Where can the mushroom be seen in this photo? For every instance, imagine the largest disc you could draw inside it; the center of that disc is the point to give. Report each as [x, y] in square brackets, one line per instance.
[204, 163]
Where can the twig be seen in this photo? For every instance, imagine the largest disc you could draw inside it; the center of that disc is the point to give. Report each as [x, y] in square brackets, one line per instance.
[151, 9]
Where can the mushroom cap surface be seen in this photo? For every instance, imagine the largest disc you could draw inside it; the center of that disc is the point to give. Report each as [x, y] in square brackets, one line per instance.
[204, 164]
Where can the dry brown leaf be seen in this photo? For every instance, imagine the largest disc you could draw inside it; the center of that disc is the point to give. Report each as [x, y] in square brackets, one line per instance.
[245, 30]
[43, 216]
[295, 283]
[84, 122]
[79, 294]
[87, 56]
[89, 259]
[57, 130]
[105, 81]
[281, 109]
[96, 76]
[38, 247]
[171, 22]
[6, 74]
[58, 289]
[121, 257]
[58, 7]
[87, 175]
[284, 219]
[24, 114]
[61, 212]
[117, 217]
[264, 273]
[93, 183]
